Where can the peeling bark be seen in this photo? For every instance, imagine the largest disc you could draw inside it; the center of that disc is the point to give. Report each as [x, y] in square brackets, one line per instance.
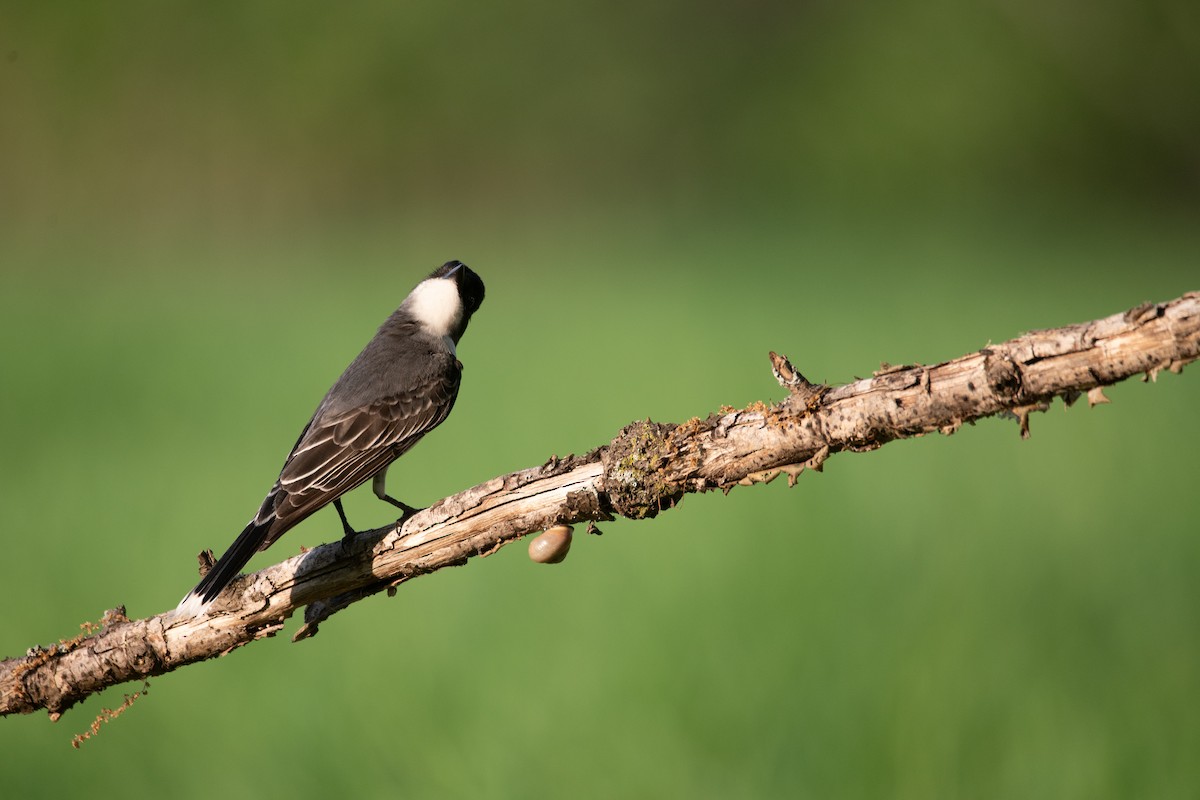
[647, 468]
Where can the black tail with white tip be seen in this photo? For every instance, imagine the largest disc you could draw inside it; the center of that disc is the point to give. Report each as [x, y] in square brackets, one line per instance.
[226, 569]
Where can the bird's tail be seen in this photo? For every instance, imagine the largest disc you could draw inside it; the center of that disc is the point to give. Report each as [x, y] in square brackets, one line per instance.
[227, 567]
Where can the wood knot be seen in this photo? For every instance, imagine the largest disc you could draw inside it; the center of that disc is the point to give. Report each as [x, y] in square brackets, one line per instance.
[636, 470]
[1003, 375]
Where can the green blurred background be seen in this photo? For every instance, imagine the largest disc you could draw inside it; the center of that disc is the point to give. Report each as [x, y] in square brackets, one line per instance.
[206, 210]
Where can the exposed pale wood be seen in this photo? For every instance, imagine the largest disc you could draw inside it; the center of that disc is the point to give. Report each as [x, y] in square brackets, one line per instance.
[647, 468]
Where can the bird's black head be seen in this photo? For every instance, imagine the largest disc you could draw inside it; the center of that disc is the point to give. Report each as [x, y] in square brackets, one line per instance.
[444, 302]
[470, 285]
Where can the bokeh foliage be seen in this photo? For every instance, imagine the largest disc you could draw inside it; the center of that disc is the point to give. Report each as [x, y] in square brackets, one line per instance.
[206, 210]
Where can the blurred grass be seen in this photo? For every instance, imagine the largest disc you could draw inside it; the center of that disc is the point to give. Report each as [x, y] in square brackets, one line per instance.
[973, 616]
[203, 216]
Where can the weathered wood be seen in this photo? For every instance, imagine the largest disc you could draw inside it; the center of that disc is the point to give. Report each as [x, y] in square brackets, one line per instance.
[647, 468]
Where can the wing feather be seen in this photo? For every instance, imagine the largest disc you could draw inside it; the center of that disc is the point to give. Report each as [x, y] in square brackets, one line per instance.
[339, 452]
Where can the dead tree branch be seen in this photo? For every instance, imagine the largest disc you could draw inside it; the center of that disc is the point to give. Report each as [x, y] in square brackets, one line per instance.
[647, 468]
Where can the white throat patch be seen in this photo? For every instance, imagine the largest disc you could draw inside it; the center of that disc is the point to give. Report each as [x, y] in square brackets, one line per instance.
[436, 305]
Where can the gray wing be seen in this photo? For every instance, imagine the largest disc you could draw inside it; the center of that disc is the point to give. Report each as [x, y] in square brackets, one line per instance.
[339, 452]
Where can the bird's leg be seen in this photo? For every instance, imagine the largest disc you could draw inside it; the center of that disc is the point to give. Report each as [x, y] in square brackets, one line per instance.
[349, 532]
[377, 486]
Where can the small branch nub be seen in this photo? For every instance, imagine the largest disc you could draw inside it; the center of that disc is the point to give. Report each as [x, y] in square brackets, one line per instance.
[790, 378]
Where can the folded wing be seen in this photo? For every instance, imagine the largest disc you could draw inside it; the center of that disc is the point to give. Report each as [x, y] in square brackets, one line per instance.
[339, 452]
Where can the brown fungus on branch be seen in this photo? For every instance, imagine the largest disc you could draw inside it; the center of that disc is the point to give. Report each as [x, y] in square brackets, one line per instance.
[552, 545]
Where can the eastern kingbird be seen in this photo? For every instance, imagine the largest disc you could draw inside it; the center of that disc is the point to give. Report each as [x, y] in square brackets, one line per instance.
[401, 386]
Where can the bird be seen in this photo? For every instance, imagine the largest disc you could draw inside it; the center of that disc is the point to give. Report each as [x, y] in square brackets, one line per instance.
[401, 386]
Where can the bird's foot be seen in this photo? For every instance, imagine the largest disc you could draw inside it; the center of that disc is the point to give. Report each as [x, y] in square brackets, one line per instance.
[407, 511]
